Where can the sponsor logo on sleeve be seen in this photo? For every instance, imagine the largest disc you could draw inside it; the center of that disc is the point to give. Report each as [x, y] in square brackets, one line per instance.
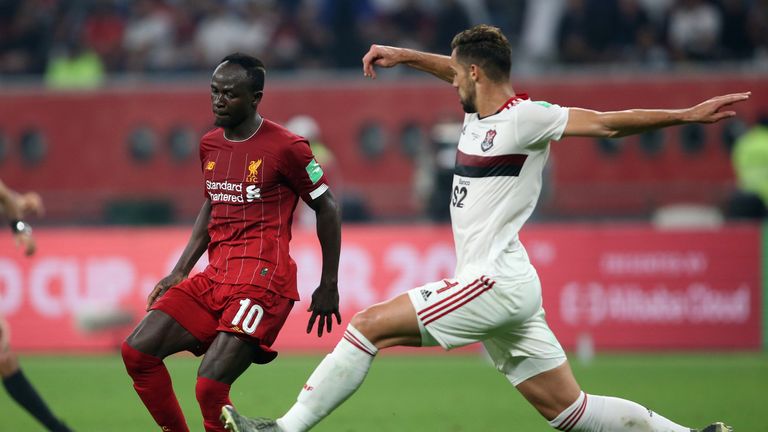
[315, 171]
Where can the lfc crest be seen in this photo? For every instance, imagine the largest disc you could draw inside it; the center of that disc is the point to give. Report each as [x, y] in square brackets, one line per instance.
[488, 141]
[253, 171]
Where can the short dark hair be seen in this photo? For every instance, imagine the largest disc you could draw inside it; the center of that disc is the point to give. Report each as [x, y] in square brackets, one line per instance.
[487, 47]
[254, 68]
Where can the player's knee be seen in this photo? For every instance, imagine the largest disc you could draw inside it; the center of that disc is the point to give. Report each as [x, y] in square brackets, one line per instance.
[9, 363]
[135, 360]
[207, 390]
[368, 322]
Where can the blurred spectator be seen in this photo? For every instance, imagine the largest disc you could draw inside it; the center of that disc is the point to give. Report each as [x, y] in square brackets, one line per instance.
[247, 28]
[540, 35]
[300, 41]
[635, 34]
[73, 66]
[572, 32]
[151, 36]
[750, 163]
[508, 15]
[103, 31]
[758, 29]
[735, 39]
[24, 36]
[413, 26]
[694, 30]
[351, 24]
[148, 39]
[451, 18]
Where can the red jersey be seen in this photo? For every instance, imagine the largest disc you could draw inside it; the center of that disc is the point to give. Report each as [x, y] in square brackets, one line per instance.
[254, 186]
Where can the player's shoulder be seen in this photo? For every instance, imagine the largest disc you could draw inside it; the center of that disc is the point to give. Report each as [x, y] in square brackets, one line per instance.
[537, 105]
[279, 133]
[536, 110]
[212, 138]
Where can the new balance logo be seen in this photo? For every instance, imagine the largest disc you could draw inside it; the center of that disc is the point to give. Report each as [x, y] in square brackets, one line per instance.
[425, 294]
[308, 387]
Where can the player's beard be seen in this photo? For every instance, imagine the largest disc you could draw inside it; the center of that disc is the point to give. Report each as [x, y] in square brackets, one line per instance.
[228, 122]
[468, 101]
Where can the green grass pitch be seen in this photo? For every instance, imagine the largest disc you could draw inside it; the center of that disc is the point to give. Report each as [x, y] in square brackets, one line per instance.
[409, 393]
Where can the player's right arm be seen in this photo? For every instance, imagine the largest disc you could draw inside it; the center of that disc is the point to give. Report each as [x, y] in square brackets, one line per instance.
[198, 243]
[389, 56]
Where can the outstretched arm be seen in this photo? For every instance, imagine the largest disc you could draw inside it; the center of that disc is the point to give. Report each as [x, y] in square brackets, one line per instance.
[388, 56]
[615, 124]
[325, 299]
[16, 206]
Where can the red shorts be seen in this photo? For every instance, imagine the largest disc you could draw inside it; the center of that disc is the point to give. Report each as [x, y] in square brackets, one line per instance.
[205, 308]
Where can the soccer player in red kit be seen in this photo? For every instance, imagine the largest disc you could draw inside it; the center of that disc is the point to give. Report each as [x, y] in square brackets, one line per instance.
[255, 171]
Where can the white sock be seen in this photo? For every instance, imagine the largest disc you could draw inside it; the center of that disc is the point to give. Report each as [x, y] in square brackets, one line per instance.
[333, 381]
[608, 414]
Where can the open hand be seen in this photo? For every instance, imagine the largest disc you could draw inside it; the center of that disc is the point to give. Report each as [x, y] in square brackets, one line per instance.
[379, 55]
[709, 111]
[325, 305]
[163, 286]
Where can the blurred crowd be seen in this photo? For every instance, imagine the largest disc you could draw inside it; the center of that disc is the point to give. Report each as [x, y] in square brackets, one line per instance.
[79, 42]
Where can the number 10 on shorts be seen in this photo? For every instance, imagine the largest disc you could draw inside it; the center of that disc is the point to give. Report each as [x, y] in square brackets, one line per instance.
[253, 317]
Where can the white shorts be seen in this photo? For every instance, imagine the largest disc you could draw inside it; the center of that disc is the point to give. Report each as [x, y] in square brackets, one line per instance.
[506, 315]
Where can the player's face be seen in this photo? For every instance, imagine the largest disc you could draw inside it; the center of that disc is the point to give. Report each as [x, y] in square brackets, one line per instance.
[232, 100]
[464, 84]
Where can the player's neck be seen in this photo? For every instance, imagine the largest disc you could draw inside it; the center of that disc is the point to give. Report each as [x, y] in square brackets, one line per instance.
[491, 97]
[244, 130]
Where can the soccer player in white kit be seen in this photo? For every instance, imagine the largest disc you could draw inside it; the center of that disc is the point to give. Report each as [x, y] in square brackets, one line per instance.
[495, 297]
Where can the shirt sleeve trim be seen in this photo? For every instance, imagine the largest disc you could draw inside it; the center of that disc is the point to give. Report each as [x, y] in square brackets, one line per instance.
[319, 191]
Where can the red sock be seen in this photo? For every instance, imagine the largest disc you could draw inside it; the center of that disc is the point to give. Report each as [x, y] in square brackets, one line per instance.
[212, 395]
[153, 384]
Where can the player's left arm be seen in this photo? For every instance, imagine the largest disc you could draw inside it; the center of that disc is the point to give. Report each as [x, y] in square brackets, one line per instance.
[325, 299]
[615, 124]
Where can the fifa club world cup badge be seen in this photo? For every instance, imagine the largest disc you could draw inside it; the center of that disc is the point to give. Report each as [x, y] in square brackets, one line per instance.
[488, 141]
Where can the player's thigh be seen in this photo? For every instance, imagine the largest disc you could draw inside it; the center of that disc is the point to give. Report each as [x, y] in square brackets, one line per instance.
[160, 335]
[460, 311]
[187, 314]
[524, 350]
[390, 323]
[227, 358]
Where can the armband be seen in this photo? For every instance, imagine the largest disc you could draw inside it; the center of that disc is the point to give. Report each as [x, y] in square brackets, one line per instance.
[20, 227]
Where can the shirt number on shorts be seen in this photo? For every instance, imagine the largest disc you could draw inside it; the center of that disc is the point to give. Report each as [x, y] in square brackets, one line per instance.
[459, 193]
[252, 319]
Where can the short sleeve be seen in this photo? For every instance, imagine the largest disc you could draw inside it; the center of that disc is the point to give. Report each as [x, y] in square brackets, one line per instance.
[302, 172]
[203, 164]
[540, 122]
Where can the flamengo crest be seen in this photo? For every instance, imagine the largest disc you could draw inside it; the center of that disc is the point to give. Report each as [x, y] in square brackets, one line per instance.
[488, 141]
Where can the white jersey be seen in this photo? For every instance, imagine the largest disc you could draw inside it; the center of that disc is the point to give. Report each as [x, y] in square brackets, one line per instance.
[497, 180]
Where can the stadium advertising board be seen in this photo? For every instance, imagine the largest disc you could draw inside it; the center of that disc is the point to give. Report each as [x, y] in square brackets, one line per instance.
[626, 287]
